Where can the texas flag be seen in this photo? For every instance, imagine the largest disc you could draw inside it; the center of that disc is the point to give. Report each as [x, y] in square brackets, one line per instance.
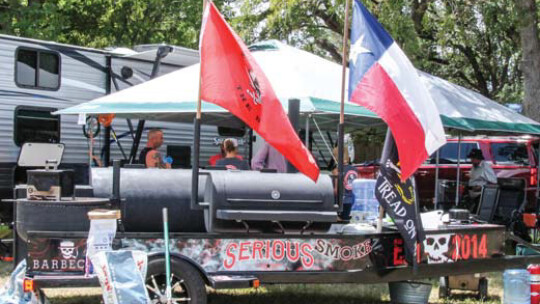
[383, 80]
[232, 79]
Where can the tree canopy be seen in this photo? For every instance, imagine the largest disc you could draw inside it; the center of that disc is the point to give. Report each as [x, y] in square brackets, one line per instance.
[475, 43]
[472, 43]
[103, 23]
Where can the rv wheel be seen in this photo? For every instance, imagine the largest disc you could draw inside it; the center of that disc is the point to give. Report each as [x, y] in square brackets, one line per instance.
[186, 281]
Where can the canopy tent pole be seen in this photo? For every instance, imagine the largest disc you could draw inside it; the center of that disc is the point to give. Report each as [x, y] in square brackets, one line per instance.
[106, 150]
[437, 159]
[316, 145]
[136, 141]
[91, 147]
[107, 147]
[341, 125]
[306, 132]
[117, 88]
[324, 140]
[130, 127]
[458, 169]
[330, 139]
[113, 133]
[250, 151]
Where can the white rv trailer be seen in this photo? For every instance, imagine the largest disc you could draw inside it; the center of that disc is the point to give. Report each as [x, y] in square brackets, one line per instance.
[39, 77]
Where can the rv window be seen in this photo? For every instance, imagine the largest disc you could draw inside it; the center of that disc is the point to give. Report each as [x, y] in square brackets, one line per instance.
[32, 124]
[26, 68]
[231, 132]
[48, 70]
[37, 69]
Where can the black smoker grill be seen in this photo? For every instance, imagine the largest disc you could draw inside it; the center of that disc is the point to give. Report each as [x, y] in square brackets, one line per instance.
[252, 201]
[231, 201]
[145, 192]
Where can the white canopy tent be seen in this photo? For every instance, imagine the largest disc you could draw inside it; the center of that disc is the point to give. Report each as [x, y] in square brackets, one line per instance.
[315, 81]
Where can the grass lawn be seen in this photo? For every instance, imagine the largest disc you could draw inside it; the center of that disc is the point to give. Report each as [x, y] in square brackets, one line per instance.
[278, 294]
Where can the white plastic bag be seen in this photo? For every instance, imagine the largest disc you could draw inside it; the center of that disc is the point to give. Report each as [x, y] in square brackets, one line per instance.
[122, 276]
[12, 292]
[100, 238]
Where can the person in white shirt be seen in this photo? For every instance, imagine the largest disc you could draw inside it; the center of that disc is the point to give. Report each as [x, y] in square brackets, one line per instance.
[481, 174]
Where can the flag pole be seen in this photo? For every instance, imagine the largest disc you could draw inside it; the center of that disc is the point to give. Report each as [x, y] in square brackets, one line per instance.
[341, 126]
[197, 138]
[385, 154]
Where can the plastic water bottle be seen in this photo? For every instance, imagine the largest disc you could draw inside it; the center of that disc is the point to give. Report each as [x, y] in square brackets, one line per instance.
[358, 209]
[517, 288]
[365, 202]
[372, 209]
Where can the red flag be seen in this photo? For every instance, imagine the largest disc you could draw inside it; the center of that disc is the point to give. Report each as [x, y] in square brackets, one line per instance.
[233, 80]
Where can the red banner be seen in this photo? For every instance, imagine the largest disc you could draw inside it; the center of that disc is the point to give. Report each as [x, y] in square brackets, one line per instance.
[233, 80]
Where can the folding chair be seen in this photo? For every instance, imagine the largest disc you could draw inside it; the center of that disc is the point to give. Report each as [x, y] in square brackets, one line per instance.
[488, 203]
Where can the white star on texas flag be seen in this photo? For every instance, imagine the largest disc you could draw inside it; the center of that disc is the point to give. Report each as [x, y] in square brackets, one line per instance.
[358, 49]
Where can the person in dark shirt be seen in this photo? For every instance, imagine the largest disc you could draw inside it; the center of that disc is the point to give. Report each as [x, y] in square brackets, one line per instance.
[212, 161]
[150, 156]
[231, 160]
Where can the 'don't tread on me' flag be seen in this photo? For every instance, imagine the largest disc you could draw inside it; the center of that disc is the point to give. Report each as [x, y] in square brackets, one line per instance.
[231, 78]
[382, 79]
[399, 199]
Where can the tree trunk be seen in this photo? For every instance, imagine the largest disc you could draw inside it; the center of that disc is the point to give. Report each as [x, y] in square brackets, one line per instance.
[530, 65]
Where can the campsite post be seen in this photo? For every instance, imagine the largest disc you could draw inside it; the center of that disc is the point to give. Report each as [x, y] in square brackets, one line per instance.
[458, 169]
[437, 160]
[196, 142]
[294, 118]
[341, 126]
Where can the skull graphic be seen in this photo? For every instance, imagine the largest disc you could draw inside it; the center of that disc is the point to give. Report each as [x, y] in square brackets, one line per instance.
[255, 91]
[436, 246]
[68, 250]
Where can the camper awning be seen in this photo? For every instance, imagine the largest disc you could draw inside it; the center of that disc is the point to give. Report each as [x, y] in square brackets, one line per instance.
[316, 82]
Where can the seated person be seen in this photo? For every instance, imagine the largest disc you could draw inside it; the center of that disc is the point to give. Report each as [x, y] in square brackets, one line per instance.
[150, 156]
[481, 174]
[212, 161]
[269, 158]
[231, 160]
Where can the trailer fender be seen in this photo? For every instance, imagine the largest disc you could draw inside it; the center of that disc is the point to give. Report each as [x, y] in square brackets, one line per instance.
[161, 255]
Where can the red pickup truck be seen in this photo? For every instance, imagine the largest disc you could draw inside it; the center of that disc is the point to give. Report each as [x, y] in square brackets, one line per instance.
[511, 157]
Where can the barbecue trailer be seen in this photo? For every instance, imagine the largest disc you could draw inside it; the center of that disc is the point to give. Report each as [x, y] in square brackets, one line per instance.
[239, 238]
[248, 228]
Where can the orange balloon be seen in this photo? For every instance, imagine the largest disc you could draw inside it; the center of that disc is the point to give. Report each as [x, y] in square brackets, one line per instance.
[106, 119]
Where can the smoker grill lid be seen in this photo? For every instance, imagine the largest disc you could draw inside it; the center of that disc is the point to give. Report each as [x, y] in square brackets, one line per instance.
[39, 154]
